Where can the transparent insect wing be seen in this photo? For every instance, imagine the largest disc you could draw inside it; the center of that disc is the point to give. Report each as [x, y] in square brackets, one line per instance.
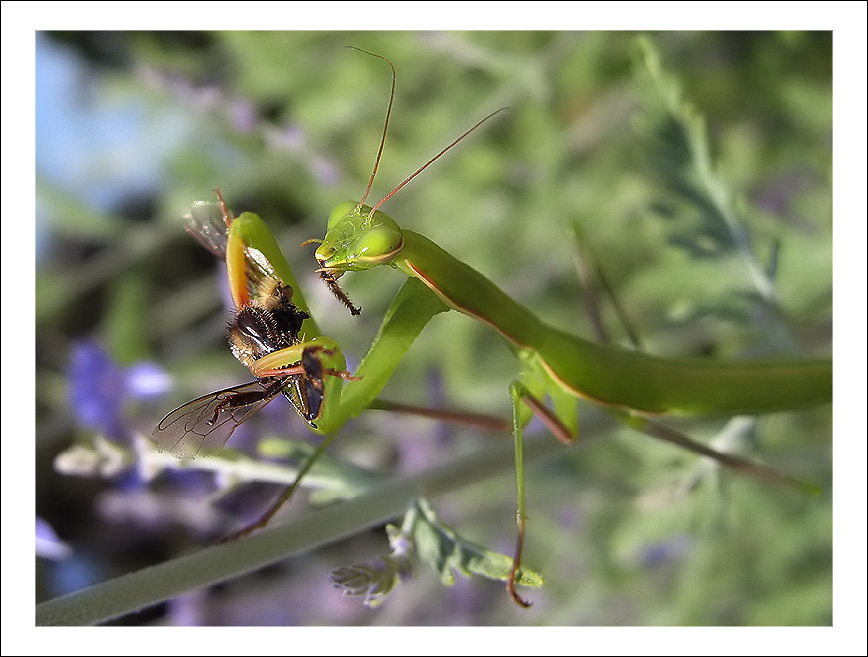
[202, 426]
[206, 224]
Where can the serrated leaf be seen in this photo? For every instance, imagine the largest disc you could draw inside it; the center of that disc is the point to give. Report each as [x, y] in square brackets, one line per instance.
[447, 552]
[373, 580]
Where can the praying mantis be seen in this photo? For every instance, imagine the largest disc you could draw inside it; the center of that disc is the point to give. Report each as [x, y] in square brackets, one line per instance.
[634, 386]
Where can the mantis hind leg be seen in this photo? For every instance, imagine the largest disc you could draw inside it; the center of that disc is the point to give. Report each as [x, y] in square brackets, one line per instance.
[520, 393]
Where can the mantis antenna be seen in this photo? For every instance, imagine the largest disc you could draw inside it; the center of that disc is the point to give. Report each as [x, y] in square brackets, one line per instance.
[329, 278]
[385, 126]
[383, 141]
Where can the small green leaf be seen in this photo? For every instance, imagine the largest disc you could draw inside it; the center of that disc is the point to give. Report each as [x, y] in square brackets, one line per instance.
[374, 581]
[424, 535]
[449, 553]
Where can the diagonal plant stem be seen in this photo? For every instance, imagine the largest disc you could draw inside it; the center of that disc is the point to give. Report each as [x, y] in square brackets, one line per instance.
[217, 563]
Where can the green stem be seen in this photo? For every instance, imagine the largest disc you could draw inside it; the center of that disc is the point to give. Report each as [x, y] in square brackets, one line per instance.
[217, 563]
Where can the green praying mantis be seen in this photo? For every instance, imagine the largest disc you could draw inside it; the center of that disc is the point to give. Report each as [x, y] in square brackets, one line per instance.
[274, 335]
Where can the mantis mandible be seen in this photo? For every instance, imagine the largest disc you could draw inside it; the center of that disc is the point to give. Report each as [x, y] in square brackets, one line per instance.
[634, 386]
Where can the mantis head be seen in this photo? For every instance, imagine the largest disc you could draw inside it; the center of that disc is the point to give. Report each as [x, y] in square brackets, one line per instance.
[357, 239]
[359, 236]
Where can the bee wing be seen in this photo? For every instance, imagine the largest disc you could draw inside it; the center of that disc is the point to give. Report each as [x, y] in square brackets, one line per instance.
[202, 426]
[205, 223]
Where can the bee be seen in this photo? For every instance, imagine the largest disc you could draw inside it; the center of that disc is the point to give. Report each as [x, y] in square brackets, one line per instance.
[265, 334]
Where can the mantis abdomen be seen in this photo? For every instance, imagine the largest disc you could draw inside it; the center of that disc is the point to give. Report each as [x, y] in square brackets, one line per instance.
[613, 375]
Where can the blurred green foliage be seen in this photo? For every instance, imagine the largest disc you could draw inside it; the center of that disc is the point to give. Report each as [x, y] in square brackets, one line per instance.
[287, 125]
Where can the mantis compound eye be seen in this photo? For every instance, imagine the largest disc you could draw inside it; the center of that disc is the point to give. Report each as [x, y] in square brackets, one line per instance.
[377, 245]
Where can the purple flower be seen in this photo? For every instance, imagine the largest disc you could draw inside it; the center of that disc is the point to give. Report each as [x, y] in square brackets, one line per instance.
[662, 552]
[48, 545]
[99, 388]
